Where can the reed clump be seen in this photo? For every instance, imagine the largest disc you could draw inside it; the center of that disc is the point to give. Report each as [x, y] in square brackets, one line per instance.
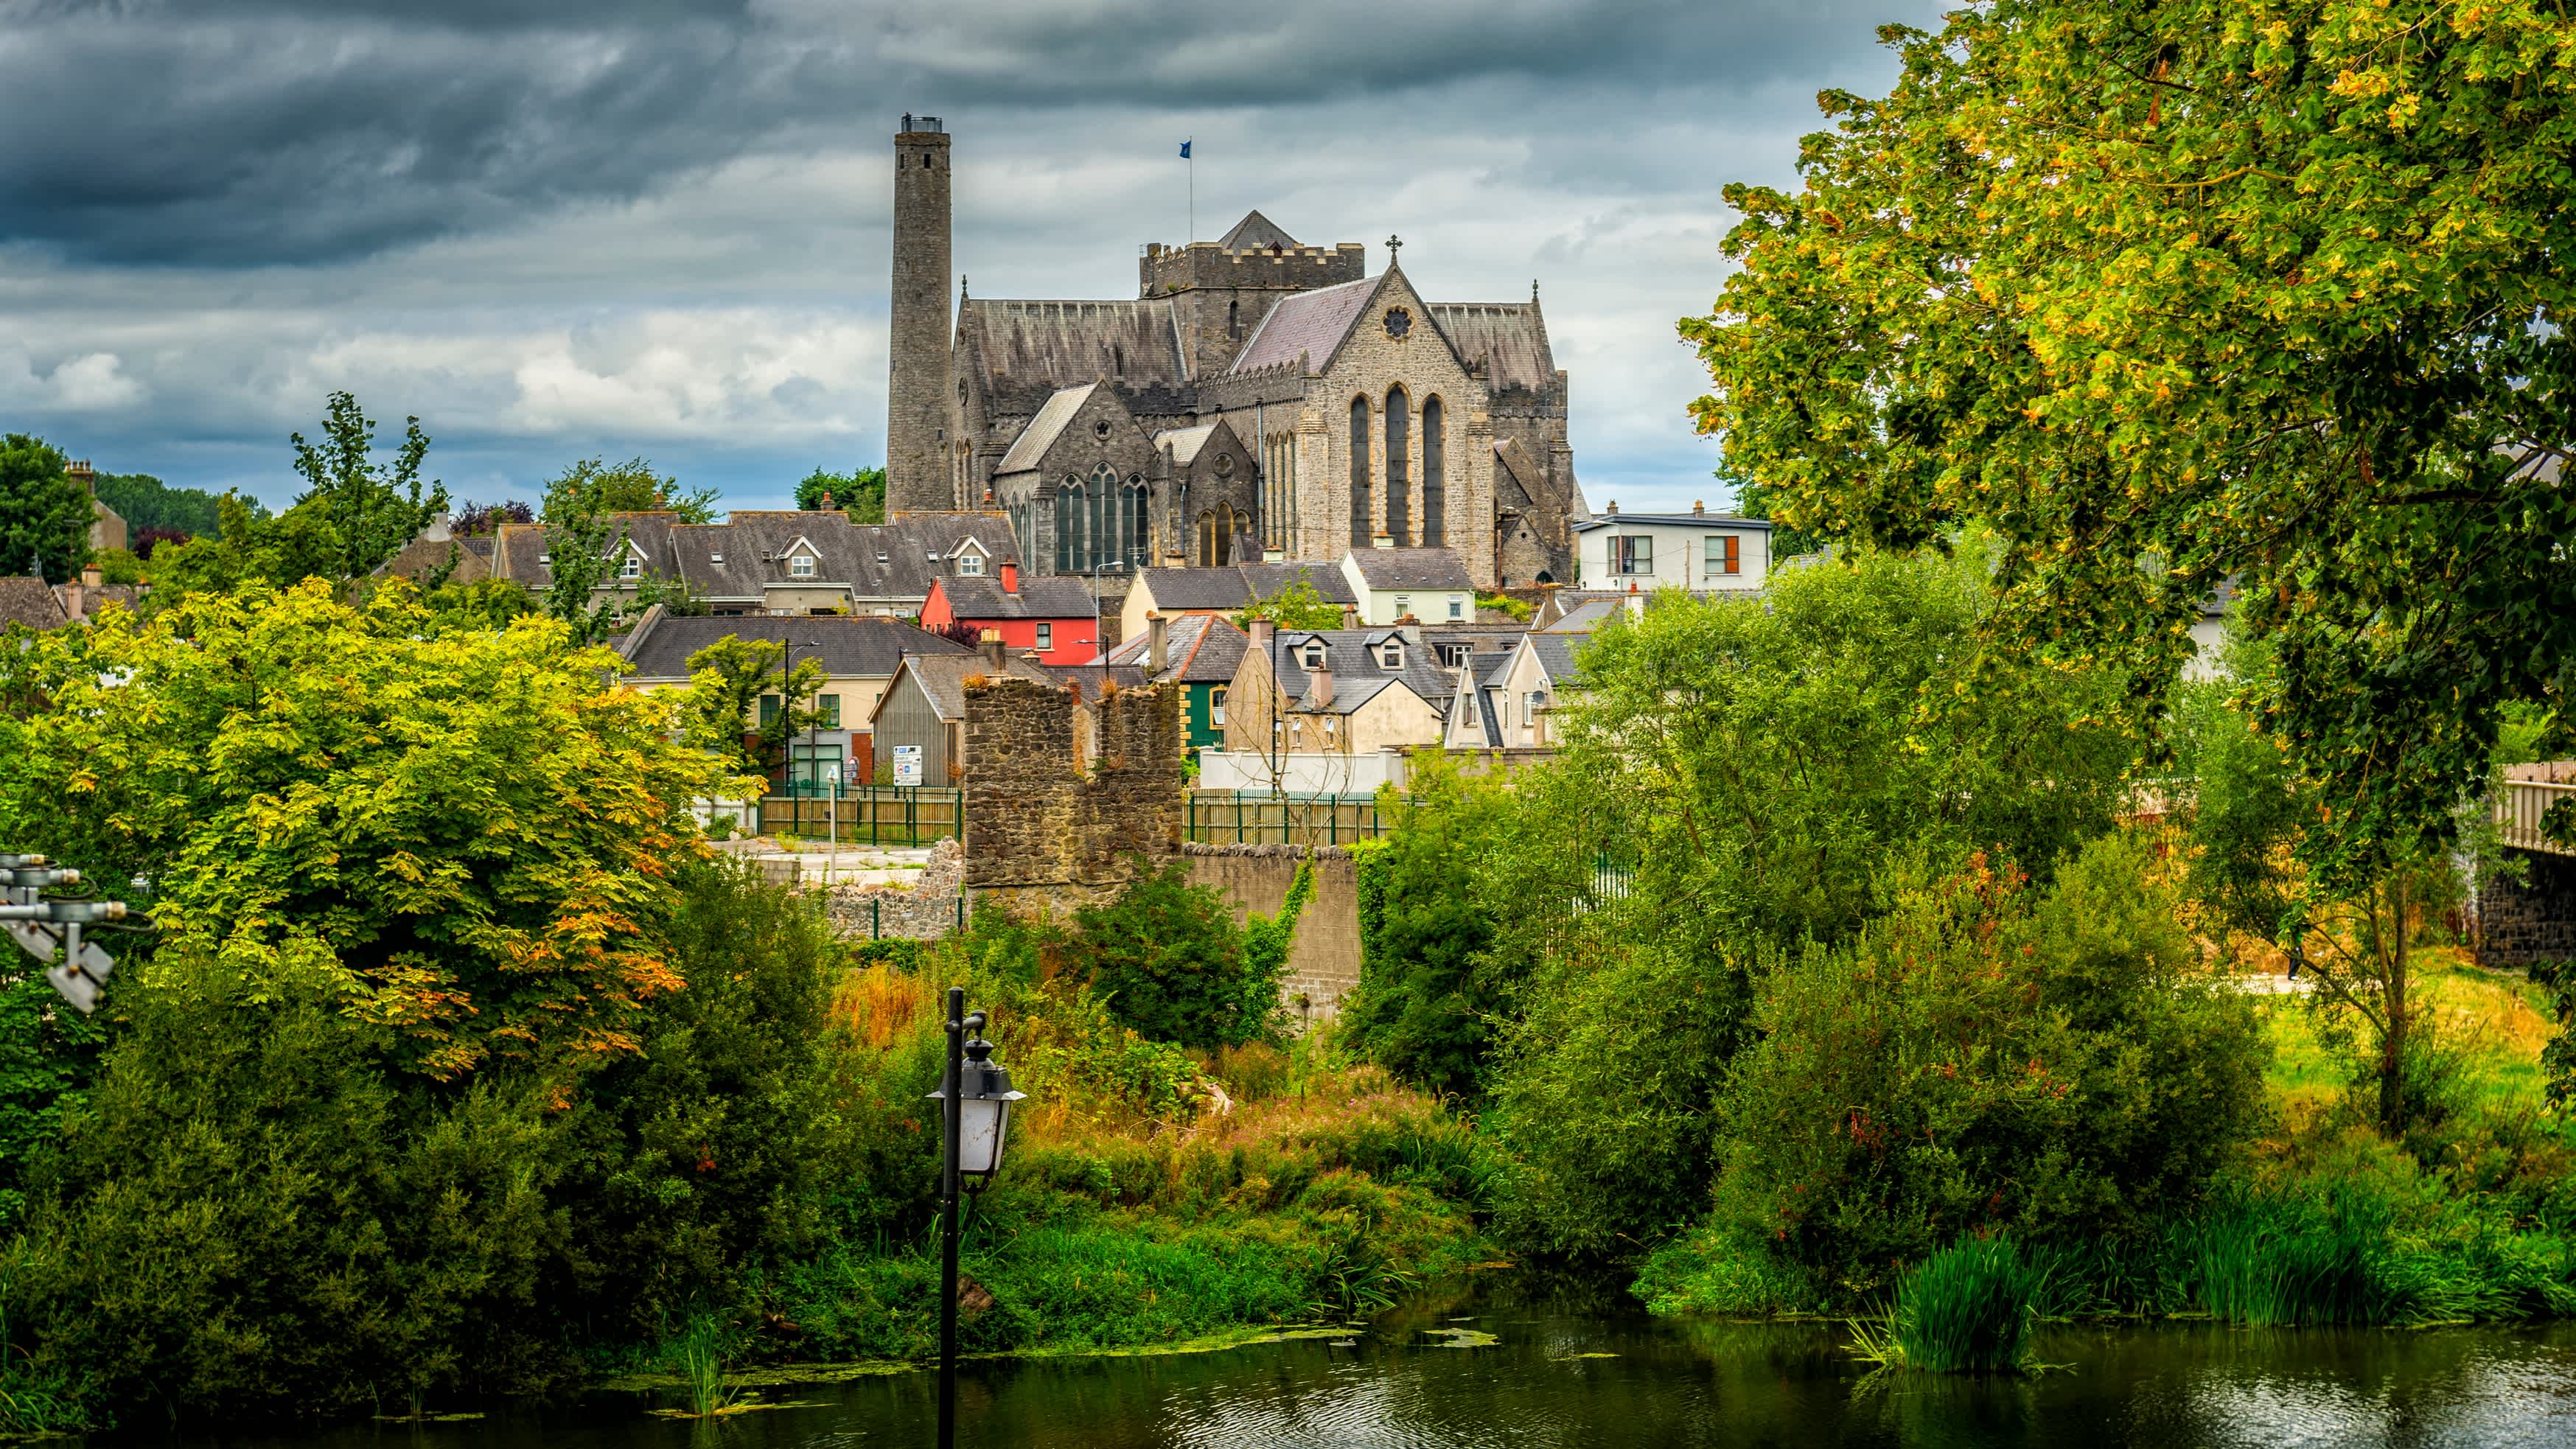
[1968, 1308]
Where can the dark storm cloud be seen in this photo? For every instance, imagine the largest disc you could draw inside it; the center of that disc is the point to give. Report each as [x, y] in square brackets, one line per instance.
[199, 133]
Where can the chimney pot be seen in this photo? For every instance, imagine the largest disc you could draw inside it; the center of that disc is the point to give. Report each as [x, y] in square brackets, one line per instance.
[1613, 508]
[1351, 615]
[92, 577]
[1319, 684]
[1697, 506]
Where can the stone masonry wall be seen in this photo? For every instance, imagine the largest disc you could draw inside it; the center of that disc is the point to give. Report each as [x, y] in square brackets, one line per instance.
[1047, 829]
[1324, 960]
[925, 912]
[2533, 919]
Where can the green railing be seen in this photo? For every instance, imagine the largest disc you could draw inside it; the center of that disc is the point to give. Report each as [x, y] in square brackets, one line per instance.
[1221, 818]
[902, 815]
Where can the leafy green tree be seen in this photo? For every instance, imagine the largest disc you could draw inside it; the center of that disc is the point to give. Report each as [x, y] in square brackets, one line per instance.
[728, 680]
[633, 487]
[1168, 958]
[860, 493]
[44, 512]
[483, 604]
[373, 510]
[476, 823]
[585, 542]
[1430, 1001]
[2172, 293]
[144, 501]
[248, 549]
[1984, 1059]
[1294, 605]
[1757, 499]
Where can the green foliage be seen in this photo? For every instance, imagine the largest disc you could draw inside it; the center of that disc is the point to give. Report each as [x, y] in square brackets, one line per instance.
[727, 681]
[585, 546]
[48, 1057]
[144, 501]
[1982, 1061]
[1294, 605]
[1757, 499]
[1169, 961]
[1966, 1309]
[1267, 941]
[1428, 994]
[1506, 604]
[116, 566]
[859, 493]
[371, 510]
[44, 513]
[479, 823]
[2271, 292]
[483, 604]
[248, 550]
[673, 593]
[633, 487]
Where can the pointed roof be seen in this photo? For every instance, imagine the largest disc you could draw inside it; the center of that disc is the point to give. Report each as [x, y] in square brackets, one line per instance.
[1311, 325]
[1029, 449]
[1256, 233]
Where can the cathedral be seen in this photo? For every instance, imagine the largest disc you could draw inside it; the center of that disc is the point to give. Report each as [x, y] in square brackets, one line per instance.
[1258, 399]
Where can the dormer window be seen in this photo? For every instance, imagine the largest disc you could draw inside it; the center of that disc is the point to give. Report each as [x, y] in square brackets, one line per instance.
[1314, 654]
[632, 568]
[1391, 655]
[971, 564]
[802, 566]
[545, 558]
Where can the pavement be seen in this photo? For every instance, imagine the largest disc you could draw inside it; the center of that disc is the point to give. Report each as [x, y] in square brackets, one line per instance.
[852, 865]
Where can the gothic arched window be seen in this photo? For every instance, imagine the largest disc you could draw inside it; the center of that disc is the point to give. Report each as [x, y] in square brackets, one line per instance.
[1399, 492]
[1435, 518]
[1072, 509]
[1135, 522]
[1211, 544]
[1234, 319]
[1363, 526]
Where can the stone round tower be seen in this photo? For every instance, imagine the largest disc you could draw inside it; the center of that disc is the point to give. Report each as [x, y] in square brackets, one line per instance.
[918, 331]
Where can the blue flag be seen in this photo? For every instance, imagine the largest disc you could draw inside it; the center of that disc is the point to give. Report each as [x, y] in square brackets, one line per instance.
[1185, 150]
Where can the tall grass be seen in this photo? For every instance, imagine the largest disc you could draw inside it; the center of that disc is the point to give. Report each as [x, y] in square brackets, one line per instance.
[2270, 1263]
[701, 1355]
[1966, 1309]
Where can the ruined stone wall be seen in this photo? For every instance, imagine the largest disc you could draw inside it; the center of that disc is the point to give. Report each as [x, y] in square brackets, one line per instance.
[1048, 828]
[928, 911]
[1324, 959]
[2532, 919]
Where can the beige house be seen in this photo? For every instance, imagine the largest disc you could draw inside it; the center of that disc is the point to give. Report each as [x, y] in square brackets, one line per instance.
[1508, 702]
[1410, 585]
[1327, 712]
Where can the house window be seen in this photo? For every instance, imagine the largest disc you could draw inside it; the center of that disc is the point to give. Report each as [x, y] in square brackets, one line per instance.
[1216, 707]
[1403, 605]
[830, 704]
[1452, 655]
[632, 568]
[1722, 557]
[1457, 606]
[970, 563]
[545, 558]
[1530, 707]
[1435, 522]
[802, 566]
[1392, 655]
[1632, 555]
[768, 710]
[1046, 637]
[1314, 654]
[715, 558]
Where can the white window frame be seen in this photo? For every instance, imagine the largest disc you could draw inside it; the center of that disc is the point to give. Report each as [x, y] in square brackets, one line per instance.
[1046, 638]
[1457, 606]
[1216, 707]
[1312, 654]
[1714, 558]
[970, 564]
[1403, 605]
[1390, 655]
[632, 568]
[800, 566]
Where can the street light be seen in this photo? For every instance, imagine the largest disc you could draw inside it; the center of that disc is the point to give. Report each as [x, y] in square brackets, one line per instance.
[975, 1100]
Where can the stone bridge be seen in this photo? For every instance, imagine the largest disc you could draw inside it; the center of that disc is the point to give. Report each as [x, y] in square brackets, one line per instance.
[2534, 918]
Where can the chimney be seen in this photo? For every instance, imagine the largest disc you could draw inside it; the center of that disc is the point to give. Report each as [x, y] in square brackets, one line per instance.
[1158, 644]
[92, 577]
[994, 659]
[1614, 508]
[1010, 576]
[81, 473]
[1261, 636]
[1351, 612]
[1698, 508]
[1319, 684]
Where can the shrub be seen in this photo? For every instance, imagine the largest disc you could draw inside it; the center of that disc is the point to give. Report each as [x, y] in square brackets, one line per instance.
[1980, 1061]
[1429, 1000]
[1966, 1309]
[1169, 960]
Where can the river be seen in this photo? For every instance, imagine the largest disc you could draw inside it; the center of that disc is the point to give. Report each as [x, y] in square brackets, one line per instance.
[1505, 1364]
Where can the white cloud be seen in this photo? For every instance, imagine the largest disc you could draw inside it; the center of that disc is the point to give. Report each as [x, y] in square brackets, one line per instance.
[92, 382]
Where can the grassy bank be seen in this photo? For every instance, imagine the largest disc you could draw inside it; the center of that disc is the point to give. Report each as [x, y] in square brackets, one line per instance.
[2469, 1218]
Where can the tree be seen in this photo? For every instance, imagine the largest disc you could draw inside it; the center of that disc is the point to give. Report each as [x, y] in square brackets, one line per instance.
[859, 493]
[147, 503]
[728, 680]
[1430, 1002]
[1168, 957]
[372, 510]
[633, 487]
[1294, 605]
[248, 549]
[584, 544]
[44, 512]
[2173, 293]
[476, 824]
[1757, 499]
[474, 520]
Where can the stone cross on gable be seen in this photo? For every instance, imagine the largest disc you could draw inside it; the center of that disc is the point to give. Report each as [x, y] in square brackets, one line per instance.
[1394, 244]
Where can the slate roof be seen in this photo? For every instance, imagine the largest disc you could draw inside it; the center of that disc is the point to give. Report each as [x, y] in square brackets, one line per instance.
[1045, 596]
[943, 677]
[896, 560]
[1198, 649]
[659, 645]
[1087, 678]
[1412, 568]
[1672, 520]
[1556, 654]
[1510, 338]
[1183, 443]
[1309, 324]
[26, 599]
[1353, 661]
[1584, 617]
[519, 550]
[1236, 585]
[1029, 449]
[1027, 350]
[1256, 232]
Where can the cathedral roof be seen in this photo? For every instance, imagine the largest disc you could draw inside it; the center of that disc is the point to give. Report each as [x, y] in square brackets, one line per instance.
[1186, 442]
[1030, 447]
[1028, 350]
[1309, 325]
[1256, 233]
[1509, 337]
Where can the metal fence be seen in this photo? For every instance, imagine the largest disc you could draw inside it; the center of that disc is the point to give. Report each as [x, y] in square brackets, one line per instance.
[2523, 806]
[904, 815]
[1225, 818]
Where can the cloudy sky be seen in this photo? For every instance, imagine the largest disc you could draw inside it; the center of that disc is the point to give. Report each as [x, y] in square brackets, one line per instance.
[661, 227]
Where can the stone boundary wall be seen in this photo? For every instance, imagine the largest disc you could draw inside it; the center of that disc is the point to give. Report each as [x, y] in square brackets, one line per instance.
[1324, 960]
[925, 912]
[1066, 799]
[2523, 921]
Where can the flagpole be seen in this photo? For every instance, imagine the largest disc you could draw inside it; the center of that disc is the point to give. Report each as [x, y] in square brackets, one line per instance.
[1194, 196]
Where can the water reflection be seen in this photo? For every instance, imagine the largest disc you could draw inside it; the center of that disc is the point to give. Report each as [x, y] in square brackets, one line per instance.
[1581, 1370]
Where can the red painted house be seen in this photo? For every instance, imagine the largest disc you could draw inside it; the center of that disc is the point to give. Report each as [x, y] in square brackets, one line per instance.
[1053, 615]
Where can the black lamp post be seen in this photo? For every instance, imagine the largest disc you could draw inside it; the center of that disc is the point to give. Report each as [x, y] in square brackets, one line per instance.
[975, 1100]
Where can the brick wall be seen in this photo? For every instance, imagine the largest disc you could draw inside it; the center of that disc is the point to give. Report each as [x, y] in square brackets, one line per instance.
[1061, 813]
[2532, 919]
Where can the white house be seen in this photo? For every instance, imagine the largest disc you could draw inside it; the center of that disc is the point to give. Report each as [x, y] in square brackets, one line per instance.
[1426, 585]
[1698, 550]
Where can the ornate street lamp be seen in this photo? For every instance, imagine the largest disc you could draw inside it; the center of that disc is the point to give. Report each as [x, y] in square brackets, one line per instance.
[975, 1100]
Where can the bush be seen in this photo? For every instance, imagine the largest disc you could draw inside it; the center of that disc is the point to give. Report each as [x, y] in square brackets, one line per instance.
[1429, 1001]
[1980, 1062]
[1967, 1309]
[1169, 960]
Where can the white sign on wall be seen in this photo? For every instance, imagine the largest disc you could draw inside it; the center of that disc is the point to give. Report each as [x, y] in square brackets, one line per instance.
[907, 764]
